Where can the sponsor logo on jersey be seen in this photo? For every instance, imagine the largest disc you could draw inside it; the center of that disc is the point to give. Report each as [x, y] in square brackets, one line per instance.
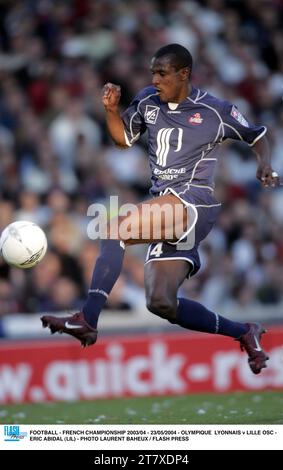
[163, 143]
[239, 117]
[169, 173]
[195, 119]
[151, 113]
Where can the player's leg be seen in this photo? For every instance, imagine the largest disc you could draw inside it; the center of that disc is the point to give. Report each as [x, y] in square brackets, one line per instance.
[162, 281]
[195, 316]
[160, 218]
[164, 217]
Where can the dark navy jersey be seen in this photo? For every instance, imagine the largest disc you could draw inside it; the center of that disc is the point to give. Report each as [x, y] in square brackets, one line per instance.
[183, 138]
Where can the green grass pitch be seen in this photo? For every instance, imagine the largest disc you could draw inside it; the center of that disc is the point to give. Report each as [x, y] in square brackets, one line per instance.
[233, 408]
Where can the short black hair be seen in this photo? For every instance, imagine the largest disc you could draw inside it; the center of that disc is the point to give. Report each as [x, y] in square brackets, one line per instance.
[179, 56]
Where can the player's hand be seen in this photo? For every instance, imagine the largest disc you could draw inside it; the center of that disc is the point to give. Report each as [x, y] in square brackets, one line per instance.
[111, 96]
[267, 176]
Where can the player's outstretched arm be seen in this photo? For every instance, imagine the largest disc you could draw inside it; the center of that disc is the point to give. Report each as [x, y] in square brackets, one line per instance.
[265, 174]
[110, 99]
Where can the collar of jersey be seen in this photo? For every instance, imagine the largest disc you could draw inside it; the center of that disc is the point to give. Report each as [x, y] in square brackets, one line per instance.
[192, 95]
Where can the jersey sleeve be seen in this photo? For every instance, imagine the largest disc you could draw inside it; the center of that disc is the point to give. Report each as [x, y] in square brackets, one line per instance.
[133, 121]
[236, 126]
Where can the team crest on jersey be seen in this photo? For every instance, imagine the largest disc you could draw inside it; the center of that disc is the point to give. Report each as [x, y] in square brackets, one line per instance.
[195, 119]
[239, 117]
[151, 113]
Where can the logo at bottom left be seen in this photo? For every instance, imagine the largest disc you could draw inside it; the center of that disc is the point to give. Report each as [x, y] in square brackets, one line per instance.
[13, 433]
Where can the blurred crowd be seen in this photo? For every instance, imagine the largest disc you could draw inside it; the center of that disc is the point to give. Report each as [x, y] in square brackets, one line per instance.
[56, 158]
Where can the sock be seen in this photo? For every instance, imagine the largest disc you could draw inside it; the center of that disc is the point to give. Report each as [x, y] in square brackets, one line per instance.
[107, 269]
[194, 316]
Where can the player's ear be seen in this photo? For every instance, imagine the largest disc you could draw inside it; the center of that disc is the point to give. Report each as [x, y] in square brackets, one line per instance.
[185, 73]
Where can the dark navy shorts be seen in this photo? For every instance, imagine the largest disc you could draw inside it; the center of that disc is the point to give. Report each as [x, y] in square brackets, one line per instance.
[203, 210]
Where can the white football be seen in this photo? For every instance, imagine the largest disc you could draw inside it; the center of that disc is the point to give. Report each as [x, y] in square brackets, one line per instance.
[23, 244]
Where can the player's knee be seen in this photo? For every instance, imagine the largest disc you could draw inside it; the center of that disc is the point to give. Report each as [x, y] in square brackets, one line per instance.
[163, 307]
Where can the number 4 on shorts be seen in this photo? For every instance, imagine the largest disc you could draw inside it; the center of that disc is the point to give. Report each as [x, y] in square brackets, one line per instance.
[157, 250]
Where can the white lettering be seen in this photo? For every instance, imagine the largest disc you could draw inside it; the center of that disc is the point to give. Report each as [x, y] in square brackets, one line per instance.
[223, 365]
[14, 382]
[166, 369]
[91, 378]
[135, 368]
[116, 368]
[60, 380]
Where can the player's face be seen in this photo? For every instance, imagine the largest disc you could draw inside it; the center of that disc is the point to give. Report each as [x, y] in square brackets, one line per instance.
[172, 85]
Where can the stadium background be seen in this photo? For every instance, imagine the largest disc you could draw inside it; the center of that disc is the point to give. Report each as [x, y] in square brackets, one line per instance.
[56, 157]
